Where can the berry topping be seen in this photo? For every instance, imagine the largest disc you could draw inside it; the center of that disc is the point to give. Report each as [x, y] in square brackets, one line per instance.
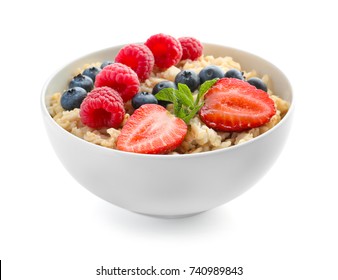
[161, 85]
[137, 57]
[189, 78]
[106, 63]
[166, 49]
[258, 83]
[82, 81]
[103, 107]
[91, 72]
[151, 129]
[234, 73]
[72, 98]
[121, 78]
[142, 98]
[235, 105]
[191, 48]
[210, 72]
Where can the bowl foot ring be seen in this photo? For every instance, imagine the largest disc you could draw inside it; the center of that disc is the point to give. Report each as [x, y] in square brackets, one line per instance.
[171, 216]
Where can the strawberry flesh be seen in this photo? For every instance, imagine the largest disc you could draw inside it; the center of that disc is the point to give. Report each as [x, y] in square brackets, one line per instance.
[151, 129]
[235, 105]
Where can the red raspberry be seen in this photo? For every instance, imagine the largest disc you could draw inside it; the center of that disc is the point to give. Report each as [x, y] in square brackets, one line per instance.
[103, 107]
[137, 57]
[191, 47]
[121, 78]
[166, 49]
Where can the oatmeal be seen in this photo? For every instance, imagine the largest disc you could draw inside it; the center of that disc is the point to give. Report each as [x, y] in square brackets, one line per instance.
[198, 131]
[199, 138]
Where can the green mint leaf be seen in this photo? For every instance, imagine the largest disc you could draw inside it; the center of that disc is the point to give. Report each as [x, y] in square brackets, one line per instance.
[192, 113]
[166, 94]
[184, 105]
[177, 107]
[204, 88]
[184, 95]
[207, 85]
[182, 113]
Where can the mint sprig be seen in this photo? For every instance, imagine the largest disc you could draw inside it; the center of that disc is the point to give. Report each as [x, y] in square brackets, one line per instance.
[185, 106]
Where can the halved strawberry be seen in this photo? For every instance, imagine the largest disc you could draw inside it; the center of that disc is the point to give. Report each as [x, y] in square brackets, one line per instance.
[151, 129]
[235, 105]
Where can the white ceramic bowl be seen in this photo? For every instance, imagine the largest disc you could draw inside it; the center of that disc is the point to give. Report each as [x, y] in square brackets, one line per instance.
[169, 185]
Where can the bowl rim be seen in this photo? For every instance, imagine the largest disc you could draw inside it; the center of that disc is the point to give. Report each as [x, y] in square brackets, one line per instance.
[100, 148]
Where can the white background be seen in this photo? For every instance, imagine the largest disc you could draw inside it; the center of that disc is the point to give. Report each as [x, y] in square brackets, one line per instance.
[283, 228]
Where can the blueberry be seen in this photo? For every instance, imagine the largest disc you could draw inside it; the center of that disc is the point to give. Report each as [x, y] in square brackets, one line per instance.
[162, 85]
[234, 73]
[142, 98]
[189, 78]
[82, 81]
[210, 72]
[91, 72]
[72, 98]
[105, 63]
[258, 83]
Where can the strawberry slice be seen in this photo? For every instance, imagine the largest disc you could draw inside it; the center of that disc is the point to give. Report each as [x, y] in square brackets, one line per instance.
[151, 129]
[235, 105]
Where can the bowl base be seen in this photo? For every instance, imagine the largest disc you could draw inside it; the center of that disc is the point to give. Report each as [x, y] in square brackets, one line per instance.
[170, 216]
